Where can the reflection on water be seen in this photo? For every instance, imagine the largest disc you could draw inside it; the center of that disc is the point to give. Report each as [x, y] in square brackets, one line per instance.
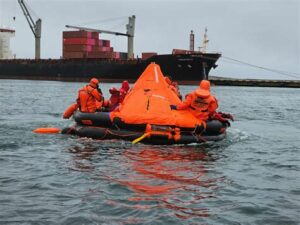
[172, 179]
[82, 155]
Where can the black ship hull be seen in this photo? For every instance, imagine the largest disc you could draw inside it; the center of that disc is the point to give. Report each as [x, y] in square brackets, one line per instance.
[185, 68]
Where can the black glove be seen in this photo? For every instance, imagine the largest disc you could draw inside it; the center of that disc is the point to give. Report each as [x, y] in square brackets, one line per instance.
[227, 116]
[227, 123]
[173, 107]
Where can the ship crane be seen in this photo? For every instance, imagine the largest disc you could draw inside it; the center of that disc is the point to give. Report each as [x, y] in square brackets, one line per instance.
[36, 28]
[130, 34]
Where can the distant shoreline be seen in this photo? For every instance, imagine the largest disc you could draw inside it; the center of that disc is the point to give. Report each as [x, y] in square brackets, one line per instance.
[255, 82]
[214, 80]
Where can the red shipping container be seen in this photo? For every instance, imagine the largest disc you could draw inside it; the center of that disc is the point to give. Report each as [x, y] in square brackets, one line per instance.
[77, 48]
[181, 51]
[116, 55]
[95, 35]
[147, 55]
[103, 55]
[79, 41]
[102, 49]
[99, 43]
[77, 34]
[104, 43]
[80, 34]
[74, 55]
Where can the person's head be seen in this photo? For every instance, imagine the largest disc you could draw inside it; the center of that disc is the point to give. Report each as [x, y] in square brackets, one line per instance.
[174, 83]
[204, 89]
[113, 91]
[205, 85]
[168, 80]
[125, 85]
[94, 82]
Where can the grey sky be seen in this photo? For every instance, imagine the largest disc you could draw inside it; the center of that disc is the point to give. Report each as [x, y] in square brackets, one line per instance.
[260, 32]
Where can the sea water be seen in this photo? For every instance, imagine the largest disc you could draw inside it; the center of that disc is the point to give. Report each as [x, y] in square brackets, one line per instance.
[250, 177]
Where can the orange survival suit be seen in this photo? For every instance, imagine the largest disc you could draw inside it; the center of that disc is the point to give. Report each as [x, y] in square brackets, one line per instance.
[173, 86]
[201, 103]
[90, 97]
[114, 99]
[124, 90]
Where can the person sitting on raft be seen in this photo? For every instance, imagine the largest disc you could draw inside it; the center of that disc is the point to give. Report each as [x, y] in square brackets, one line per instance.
[117, 96]
[124, 90]
[114, 100]
[173, 85]
[200, 102]
[90, 97]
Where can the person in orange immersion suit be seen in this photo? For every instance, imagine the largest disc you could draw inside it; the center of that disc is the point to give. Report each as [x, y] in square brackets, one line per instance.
[114, 99]
[173, 85]
[203, 104]
[200, 102]
[124, 90]
[90, 97]
[117, 96]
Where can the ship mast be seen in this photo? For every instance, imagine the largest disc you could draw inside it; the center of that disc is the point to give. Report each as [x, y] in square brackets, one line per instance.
[130, 32]
[36, 28]
[192, 41]
[205, 41]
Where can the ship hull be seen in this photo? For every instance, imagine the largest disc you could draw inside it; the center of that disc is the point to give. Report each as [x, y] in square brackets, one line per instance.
[181, 67]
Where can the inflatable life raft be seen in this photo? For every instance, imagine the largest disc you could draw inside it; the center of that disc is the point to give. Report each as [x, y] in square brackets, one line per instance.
[99, 126]
[145, 116]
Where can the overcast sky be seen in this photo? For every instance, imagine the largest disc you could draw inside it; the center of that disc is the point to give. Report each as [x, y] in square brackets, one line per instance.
[265, 33]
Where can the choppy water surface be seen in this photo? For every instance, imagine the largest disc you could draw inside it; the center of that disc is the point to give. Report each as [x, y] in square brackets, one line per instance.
[251, 177]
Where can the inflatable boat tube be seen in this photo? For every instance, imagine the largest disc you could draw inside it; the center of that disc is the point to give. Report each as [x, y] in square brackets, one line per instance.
[102, 119]
[99, 126]
[102, 133]
[93, 119]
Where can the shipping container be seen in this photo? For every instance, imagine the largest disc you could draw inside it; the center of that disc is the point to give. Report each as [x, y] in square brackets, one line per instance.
[147, 55]
[123, 55]
[79, 41]
[74, 55]
[102, 49]
[80, 34]
[116, 55]
[77, 48]
[104, 43]
[103, 55]
[181, 51]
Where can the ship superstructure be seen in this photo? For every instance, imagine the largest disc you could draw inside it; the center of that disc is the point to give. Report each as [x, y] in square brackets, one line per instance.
[5, 50]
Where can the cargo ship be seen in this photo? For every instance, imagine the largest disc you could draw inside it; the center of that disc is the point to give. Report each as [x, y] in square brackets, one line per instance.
[185, 68]
[84, 54]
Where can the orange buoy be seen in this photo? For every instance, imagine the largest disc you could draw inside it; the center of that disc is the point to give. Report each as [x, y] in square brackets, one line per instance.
[47, 130]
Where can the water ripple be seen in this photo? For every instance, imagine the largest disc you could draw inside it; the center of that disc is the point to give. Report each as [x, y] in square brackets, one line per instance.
[251, 177]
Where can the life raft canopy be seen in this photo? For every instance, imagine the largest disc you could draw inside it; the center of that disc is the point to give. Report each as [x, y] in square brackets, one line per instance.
[149, 102]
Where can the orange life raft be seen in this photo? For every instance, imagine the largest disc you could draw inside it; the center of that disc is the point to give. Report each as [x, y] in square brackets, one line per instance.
[145, 115]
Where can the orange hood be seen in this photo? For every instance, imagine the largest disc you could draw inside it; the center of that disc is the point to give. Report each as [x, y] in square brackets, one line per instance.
[149, 100]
